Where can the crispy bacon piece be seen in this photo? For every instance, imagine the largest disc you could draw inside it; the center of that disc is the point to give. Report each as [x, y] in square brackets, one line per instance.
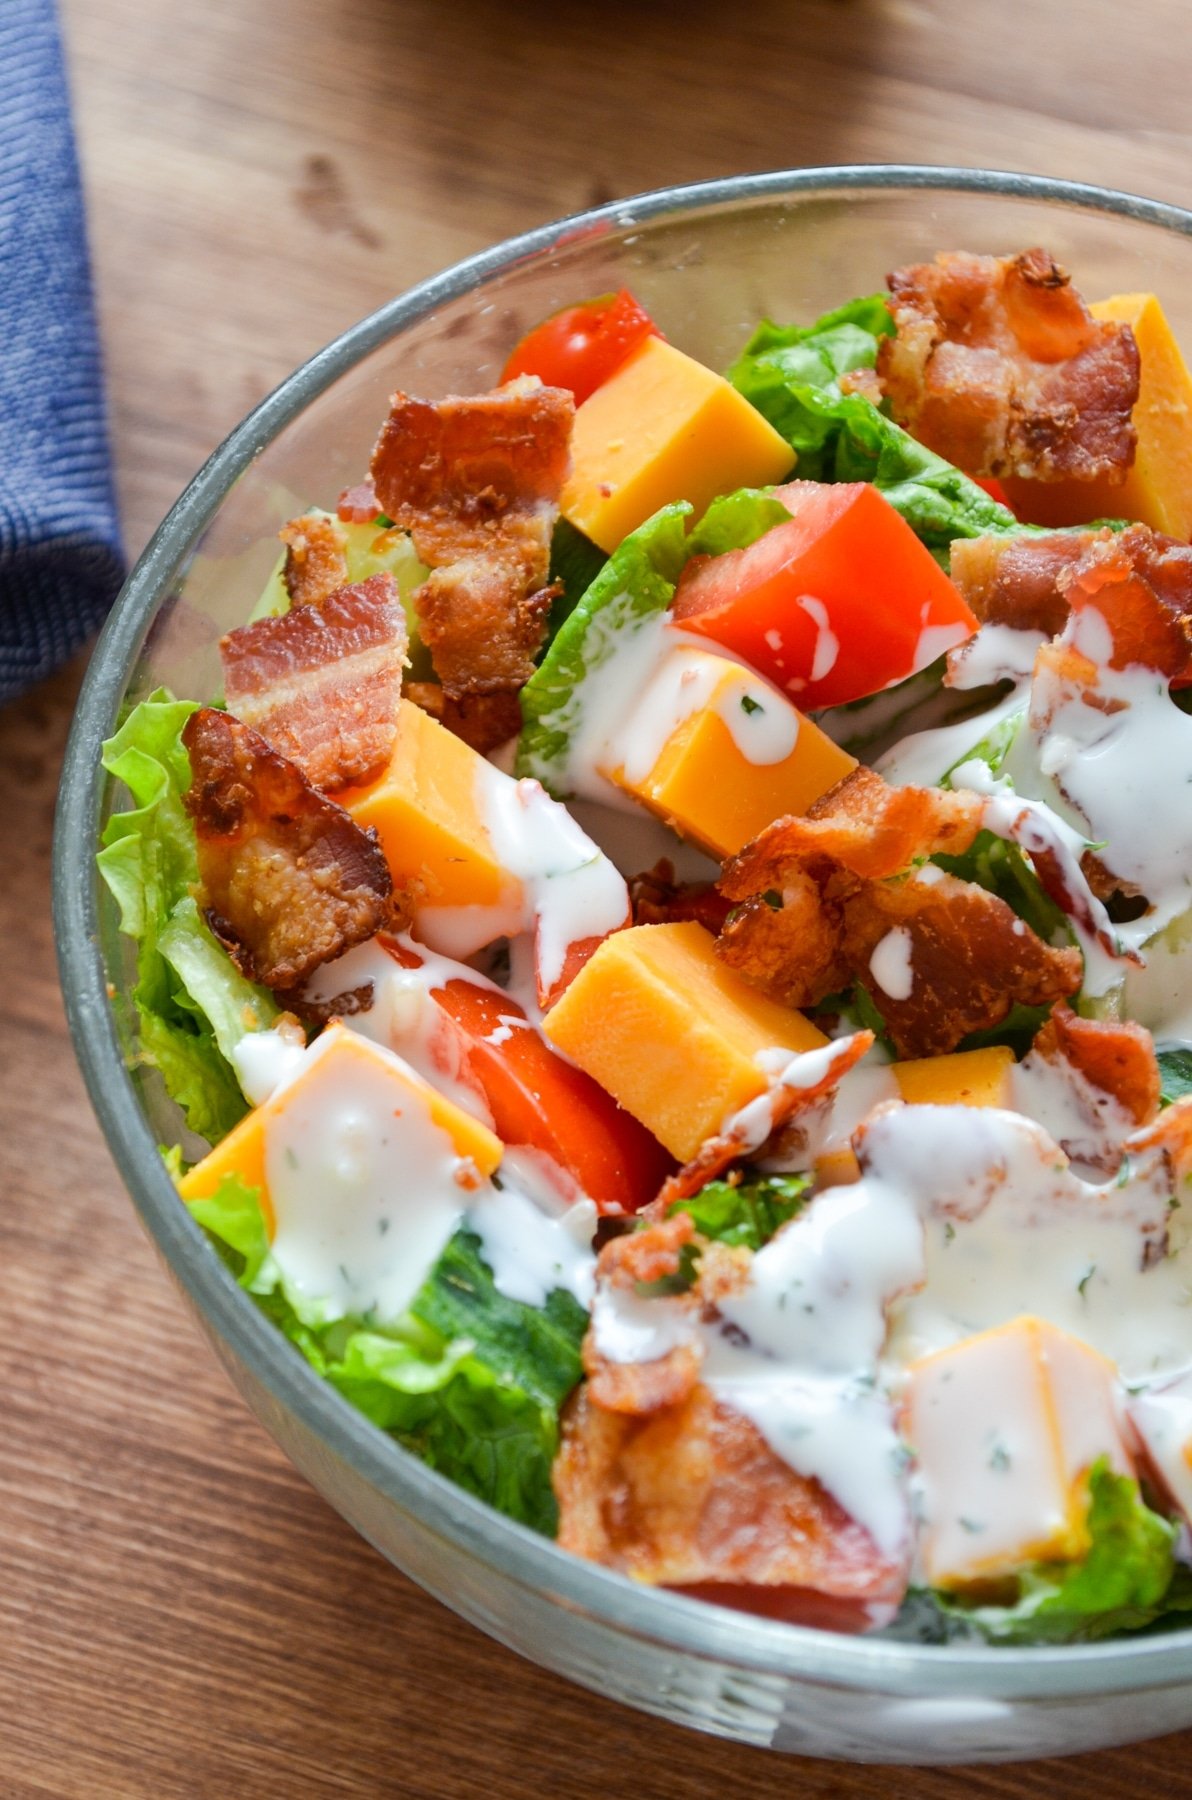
[359, 505]
[785, 1105]
[1015, 581]
[482, 720]
[1141, 584]
[998, 365]
[481, 626]
[288, 879]
[873, 829]
[316, 562]
[322, 683]
[658, 899]
[1096, 1061]
[692, 1495]
[476, 480]
[842, 879]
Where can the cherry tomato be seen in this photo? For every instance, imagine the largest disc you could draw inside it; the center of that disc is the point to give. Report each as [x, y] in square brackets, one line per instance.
[581, 346]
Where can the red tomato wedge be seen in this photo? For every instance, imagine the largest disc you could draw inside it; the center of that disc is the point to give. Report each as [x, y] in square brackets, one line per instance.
[580, 347]
[540, 1100]
[838, 604]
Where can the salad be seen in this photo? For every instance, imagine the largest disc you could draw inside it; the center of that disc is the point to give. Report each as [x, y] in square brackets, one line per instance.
[671, 949]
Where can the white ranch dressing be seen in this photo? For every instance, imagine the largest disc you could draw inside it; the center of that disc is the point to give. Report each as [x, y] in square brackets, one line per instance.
[827, 645]
[561, 885]
[530, 1252]
[266, 1061]
[763, 724]
[890, 964]
[1011, 1229]
[1089, 1125]
[365, 1188]
[403, 1016]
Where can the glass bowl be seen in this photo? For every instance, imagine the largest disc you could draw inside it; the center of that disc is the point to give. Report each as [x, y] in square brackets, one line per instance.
[708, 261]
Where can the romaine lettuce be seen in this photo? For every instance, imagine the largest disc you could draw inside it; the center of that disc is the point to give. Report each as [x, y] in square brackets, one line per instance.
[468, 1379]
[747, 1212]
[192, 1003]
[1123, 1583]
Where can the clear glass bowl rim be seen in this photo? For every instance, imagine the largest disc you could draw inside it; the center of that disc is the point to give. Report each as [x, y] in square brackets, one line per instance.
[473, 1529]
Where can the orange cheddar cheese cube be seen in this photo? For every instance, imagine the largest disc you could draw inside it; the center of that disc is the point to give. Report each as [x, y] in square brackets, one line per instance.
[1158, 486]
[738, 757]
[427, 809]
[1006, 1427]
[672, 1034]
[338, 1057]
[663, 427]
[966, 1078]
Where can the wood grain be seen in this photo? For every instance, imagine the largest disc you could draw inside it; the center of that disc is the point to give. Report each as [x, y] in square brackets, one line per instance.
[179, 1614]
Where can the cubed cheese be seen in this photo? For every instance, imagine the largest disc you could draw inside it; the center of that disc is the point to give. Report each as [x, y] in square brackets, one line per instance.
[726, 753]
[662, 428]
[1158, 487]
[967, 1078]
[364, 1171]
[335, 1053]
[672, 1034]
[1005, 1427]
[427, 810]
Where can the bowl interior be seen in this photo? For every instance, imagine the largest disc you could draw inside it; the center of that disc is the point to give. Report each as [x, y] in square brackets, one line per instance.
[708, 263]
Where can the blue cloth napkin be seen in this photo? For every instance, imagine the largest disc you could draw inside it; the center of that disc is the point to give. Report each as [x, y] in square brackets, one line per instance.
[60, 560]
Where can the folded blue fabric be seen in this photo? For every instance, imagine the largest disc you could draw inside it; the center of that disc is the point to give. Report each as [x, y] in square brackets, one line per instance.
[60, 560]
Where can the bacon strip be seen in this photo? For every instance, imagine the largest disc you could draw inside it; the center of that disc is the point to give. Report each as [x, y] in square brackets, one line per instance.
[323, 682]
[1109, 1079]
[316, 559]
[482, 720]
[692, 1495]
[476, 480]
[359, 505]
[1015, 581]
[818, 894]
[785, 1104]
[998, 365]
[288, 879]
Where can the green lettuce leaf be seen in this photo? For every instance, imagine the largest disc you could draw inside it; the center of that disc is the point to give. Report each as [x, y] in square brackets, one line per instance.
[575, 561]
[192, 1003]
[1122, 1584]
[748, 1212]
[468, 1379]
[791, 374]
[1175, 1075]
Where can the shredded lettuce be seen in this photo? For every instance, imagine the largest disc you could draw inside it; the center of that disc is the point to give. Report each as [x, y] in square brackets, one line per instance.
[468, 1379]
[1126, 1581]
[191, 1001]
[747, 1212]
[575, 562]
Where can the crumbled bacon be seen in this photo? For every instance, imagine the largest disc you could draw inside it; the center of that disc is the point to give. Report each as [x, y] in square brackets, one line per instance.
[482, 720]
[1015, 581]
[658, 899]
[316, 561]
[998, 365]
[785, 1105]
[692, 1495]
[322, 683]
[288, 879]
[1110, 1079]
[359, 505]
[1141, 584]
[476, 480]
[818, 894]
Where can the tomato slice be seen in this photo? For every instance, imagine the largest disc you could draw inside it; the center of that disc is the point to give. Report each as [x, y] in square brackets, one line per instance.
[581, 346]
[539, 1099]
[840, 602]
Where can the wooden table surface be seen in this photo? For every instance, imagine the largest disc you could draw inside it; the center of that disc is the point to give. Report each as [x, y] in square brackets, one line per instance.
[179, 1614]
